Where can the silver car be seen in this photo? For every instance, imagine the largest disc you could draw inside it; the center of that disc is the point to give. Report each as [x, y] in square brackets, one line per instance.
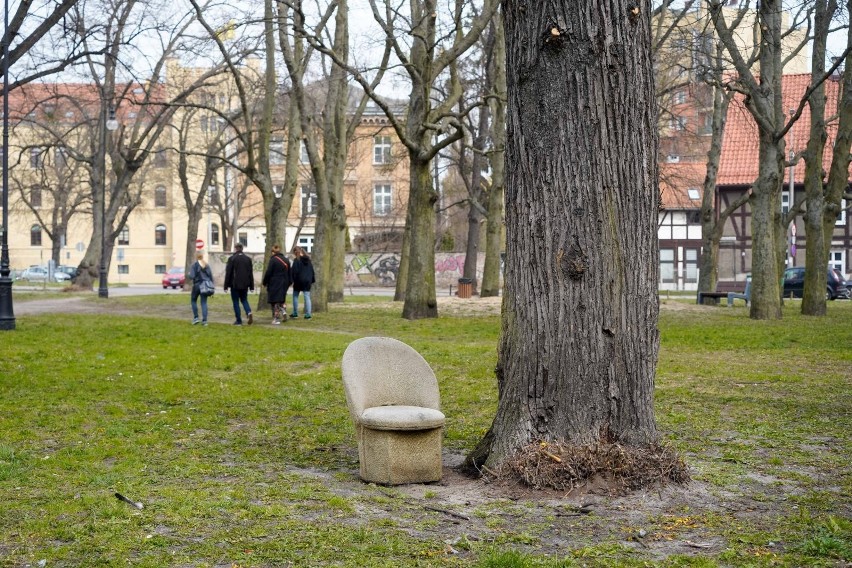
[37, 273]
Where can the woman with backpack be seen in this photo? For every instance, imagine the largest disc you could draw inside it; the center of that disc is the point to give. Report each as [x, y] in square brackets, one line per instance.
[202, 286]
[303, 278]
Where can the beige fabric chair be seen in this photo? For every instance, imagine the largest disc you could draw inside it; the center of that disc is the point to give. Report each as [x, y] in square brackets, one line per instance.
[393, 398]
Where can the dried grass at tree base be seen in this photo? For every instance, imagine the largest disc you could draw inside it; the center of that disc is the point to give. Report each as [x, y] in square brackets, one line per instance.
[564, 467]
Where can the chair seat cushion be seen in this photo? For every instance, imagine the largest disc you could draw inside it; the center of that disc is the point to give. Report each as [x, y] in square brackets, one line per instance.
[402, 418]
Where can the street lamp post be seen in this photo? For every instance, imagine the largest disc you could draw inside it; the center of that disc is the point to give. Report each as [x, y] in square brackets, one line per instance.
[108, 123]
[7, 313]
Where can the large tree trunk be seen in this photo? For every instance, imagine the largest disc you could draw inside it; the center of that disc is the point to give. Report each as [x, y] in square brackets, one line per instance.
[813, 295]
[402, 271]
[337, 269]
[765, 282]
[471, 257]
[579, 339]
[420, 301]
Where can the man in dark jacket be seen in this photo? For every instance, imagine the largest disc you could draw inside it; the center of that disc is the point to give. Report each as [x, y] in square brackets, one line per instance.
[239, 277]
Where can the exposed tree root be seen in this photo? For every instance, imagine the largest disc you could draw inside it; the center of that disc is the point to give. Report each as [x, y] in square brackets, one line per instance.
[564, 467]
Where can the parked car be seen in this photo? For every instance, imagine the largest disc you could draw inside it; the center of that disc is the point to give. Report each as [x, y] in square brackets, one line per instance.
[37, 273]
[71, 271]
[794, 283]
[174, 277]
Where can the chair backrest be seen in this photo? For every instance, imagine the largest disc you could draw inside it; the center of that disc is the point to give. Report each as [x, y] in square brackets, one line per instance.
[381, 371]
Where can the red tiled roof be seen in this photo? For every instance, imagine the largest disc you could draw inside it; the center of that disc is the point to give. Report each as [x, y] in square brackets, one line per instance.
[67, 100]
[739, 162]
[676, 179]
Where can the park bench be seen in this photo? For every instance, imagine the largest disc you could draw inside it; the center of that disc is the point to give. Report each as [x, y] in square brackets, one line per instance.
[393, 399]
[729, 289]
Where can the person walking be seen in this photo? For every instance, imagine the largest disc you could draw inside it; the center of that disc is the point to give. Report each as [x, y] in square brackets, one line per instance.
[277, 280]
[303, 278]
[199, 273]
[239, 277]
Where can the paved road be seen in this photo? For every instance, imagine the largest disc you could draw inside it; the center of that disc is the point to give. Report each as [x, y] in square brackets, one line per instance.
[150, 289]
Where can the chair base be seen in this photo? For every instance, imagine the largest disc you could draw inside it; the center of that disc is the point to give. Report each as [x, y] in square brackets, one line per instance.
[397, 457]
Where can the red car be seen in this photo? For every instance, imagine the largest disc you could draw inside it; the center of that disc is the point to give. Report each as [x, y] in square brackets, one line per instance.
[174, 278]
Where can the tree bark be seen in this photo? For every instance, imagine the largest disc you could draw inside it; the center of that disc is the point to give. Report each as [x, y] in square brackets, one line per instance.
[838, 173]
[579, 338]
[420, 300]
[813, 294]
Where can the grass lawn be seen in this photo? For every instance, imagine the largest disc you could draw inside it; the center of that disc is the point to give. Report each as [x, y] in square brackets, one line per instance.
[238, 444]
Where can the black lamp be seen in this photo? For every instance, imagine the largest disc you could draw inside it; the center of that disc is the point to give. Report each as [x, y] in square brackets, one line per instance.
[7, 313]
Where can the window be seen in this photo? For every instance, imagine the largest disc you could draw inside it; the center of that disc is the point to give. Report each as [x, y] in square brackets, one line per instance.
[693, 193]
[691, 266]
[785, 202]
[159, 269]
[381, 149]
[203, 124]
[667, 272]
[160, 234]
[35, 197]
[841, 217]
[242, 238]
[214, 234]
[835, 259]
[677, 123]
[212, 194]
[278, 190]
[303, 155]
[35, 236]
[276, 151]
[61, 157]
[306, 242]
[309, 200]
[160, 196]
[160, 159]
[124, 269]
[680, 97]
[382, 199]
[124, 236]
[35, 158]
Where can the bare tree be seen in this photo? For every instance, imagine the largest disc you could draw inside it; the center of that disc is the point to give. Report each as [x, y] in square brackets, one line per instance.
[253, 123]
[141, 106]
[194, 166]
[494, 224]
[763, 101]
[473, 154]
[50, 184]
[43, 41]
[326, 137]
[823, 199]
[429, 126]
[579, 340]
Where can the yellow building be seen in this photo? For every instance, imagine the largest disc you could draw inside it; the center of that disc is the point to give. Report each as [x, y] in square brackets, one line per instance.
[53, 135]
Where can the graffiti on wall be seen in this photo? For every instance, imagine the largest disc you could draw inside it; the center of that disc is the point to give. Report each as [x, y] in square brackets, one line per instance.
[381, 269]
[367, 268]
[371, 269]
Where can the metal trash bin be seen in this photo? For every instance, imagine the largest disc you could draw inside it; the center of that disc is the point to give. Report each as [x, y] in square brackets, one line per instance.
[465, 287]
